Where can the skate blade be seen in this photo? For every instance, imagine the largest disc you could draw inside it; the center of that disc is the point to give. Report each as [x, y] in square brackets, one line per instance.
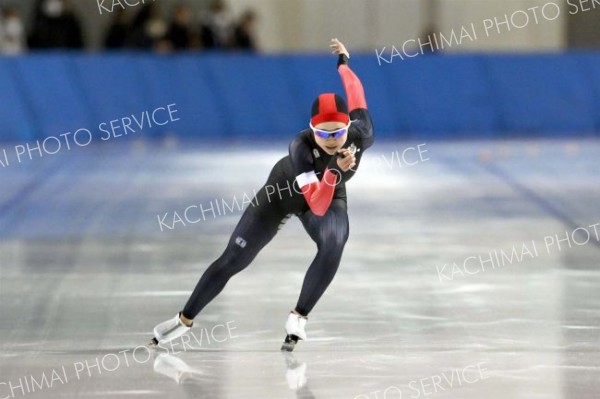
[288, 347]
[290, 343]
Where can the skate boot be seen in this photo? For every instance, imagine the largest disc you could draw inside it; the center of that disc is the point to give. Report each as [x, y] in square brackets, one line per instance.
[169, 330]
[294, 327]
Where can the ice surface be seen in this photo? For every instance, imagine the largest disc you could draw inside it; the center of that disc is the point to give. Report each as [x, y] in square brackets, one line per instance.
[86, 272]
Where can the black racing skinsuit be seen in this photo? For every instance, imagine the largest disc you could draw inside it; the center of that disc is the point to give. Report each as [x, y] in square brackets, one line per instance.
[276, 201]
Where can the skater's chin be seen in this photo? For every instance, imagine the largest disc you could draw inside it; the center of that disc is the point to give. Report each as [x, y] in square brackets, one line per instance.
[331, 150]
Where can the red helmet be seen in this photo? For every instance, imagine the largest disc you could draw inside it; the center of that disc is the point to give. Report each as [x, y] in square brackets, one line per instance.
[329, 107]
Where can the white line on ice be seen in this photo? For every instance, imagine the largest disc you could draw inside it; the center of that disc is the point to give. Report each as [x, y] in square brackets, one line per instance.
[130, 392]
[152, 293]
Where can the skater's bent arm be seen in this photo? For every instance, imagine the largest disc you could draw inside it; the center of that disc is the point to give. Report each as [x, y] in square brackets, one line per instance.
[318, 193]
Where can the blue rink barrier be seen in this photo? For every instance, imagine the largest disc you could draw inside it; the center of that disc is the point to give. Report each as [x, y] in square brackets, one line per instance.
[233, 96]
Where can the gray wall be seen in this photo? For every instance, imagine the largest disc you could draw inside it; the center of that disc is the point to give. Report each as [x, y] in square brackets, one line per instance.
[291, 25]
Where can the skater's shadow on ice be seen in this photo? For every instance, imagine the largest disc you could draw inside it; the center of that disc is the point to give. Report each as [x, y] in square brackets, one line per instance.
[176, 369]
[193, 382]
[179, 371]
[296, 377]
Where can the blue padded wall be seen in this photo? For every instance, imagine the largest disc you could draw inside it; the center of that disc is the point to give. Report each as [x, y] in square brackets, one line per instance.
[234, 96]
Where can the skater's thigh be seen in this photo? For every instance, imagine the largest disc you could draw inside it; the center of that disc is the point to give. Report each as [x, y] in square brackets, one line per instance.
[334, 225]
[255, 229]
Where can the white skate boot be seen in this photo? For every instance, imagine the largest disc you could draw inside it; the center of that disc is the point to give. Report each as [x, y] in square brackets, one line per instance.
[169, 330]
[294, 327]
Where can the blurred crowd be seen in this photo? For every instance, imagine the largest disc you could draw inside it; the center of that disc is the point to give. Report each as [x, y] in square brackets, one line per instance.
[55, 25]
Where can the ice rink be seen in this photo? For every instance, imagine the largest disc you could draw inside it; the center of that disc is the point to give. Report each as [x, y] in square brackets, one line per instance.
[471, 272]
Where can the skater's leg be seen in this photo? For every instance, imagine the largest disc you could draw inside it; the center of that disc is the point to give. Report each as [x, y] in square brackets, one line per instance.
[252, 233]
[330, 233]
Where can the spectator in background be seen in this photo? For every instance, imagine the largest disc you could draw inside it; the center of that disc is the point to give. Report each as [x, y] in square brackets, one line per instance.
[180, 34]
[149, 30]
[72, 27]
[12, 32]
[217, 26]
[244, 32]
[119, 29]
[55, 26]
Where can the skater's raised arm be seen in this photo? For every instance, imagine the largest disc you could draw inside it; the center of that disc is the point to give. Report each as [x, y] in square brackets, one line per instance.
[355, 93]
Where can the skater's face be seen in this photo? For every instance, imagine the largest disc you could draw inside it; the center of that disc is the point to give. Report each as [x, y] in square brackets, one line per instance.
[331, 144]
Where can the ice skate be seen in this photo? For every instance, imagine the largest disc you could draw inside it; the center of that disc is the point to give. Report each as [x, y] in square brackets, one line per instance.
[169, 330]
[294, 327]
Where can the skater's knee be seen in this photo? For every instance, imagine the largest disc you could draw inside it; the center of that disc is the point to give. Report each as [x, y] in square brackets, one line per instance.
[333, 240]
[335, 234]
[220, 273]
[226, 266]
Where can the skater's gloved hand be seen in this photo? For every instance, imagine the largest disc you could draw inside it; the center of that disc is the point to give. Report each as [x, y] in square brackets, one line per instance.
[346, 159]
[338, 48]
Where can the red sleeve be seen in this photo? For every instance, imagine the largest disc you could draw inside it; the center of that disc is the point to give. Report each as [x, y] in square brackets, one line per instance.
[319, 194]
[354, 88]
